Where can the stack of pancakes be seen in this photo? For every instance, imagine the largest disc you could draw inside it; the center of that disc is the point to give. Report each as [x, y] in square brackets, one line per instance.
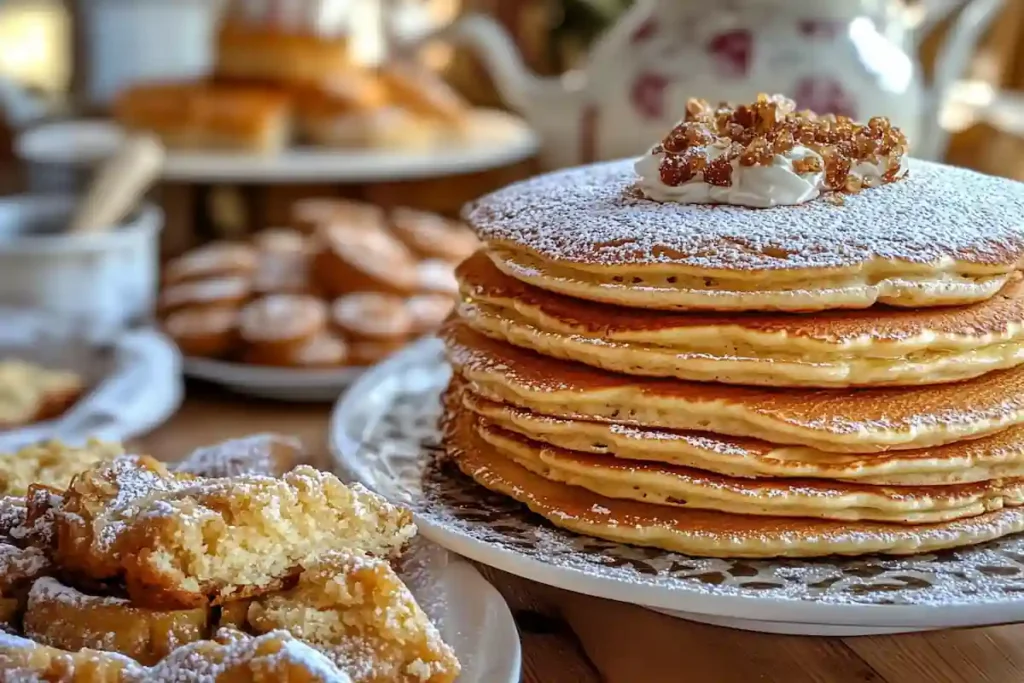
[833, 377]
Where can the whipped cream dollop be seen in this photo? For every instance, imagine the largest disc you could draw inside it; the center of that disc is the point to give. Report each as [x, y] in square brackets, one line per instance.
[758, 186]
[710, 158]
[777, 184]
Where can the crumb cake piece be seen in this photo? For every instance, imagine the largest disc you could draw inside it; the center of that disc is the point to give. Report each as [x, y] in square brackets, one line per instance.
[182, 542]
[233, 615]
[40, 526]
[13, 515]
[269, 454]
[52, 463]
[356, 610]
[64, 617]
[97, 505]
[233, 657]
[31, 393]
[225, 539]
[25, 660]
[19, 568]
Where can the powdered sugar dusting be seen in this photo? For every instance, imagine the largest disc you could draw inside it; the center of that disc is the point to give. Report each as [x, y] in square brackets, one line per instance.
[273, 656]
[18, 564]
[593, 215]
[266, 454]
[48, 589]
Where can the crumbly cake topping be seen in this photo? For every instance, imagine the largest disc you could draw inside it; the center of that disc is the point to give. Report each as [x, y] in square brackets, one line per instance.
[50, 589]
[25, 387]
[51, 463]
[38, 526]
[18, 564]
[275, 656]
[754, 134]
[593, 215]
[356, 610]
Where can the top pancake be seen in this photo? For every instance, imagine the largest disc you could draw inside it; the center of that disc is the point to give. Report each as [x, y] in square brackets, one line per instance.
[881, 346]
[940, 230]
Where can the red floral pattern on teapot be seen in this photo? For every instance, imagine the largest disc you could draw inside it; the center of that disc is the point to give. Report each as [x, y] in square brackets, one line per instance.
[732, 52]
[825, 96]
[648, 94]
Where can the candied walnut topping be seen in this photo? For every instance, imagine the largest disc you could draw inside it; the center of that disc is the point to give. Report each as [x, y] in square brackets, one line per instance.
[754, 133]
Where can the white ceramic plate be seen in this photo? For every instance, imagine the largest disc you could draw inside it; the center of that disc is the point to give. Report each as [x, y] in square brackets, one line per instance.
[281, 384]
[492, 139]
[135, 385]
[384, 433]
[470, 613]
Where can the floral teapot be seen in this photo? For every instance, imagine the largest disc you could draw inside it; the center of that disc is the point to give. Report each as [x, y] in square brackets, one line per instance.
[853, 57]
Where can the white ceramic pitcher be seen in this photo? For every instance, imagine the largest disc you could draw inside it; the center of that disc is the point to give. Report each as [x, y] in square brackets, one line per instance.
[854, 57]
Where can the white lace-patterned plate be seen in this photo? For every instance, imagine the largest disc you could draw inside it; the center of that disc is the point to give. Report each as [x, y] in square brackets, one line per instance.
[470, 613]
[134, 386]
[281, 384]
[384, 434]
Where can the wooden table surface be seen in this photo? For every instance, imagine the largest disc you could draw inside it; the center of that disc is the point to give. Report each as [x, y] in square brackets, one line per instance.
[570, 638]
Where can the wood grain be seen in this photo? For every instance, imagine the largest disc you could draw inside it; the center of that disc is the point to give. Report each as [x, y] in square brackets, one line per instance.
[571, 638]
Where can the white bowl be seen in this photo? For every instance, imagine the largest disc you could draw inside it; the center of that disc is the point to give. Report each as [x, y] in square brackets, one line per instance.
[61, 156]
[99, 283]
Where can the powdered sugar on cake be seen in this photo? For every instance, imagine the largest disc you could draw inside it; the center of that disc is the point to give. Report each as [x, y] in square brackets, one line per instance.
[938, 215]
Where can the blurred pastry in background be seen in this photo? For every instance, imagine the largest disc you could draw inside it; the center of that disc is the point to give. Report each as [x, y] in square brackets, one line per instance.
[216, 259]
[432, 236]
[32, 393]
[308, 215]
[265, 54]
[273, 86]
[205, 116]
[203, 332]
[284, 259]
[423, 93]
[353, 111]
[347, 283]
[356, 258]
[428, 311]
[277, 327]
[220, 292]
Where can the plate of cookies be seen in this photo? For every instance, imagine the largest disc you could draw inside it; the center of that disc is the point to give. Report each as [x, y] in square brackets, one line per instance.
[297, 313]
[54, 384]
[238, 563]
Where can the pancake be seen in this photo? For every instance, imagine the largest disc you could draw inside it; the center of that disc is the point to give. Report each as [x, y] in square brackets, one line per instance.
[834, 420]
[963, 462]
[880, 346]
[707, 532]
[942, 236]
[813, 498]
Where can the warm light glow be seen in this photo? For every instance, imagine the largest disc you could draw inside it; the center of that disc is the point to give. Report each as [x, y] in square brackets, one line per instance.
[34, 38]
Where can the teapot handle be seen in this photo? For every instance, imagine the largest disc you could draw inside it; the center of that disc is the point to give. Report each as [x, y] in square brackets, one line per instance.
[975, 17]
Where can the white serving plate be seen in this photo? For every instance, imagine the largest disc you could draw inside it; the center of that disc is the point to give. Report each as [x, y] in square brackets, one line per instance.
[492, 139]
[135, 383]
[470, 613]
[279, 384]
[384, 434]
